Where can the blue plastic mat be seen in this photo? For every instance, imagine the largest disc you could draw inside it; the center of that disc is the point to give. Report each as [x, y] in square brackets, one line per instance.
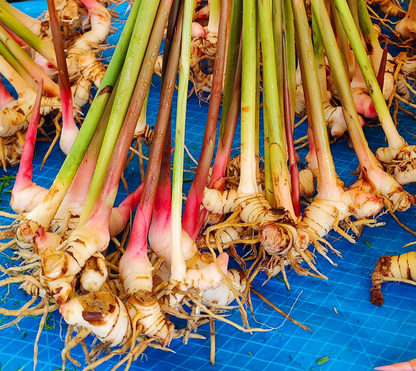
[346, 327]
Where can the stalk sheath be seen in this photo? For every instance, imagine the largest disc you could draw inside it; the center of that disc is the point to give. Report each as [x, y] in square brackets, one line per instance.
[178, 271]
[395, 140]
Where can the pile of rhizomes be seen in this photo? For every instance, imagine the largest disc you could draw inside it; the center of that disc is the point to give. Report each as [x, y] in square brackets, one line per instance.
[173, 264]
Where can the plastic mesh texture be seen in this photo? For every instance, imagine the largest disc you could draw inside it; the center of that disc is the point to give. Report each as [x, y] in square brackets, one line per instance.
[345, 326]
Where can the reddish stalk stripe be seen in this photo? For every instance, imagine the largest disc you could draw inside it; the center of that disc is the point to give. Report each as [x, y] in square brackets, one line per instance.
[25, 173]
[102, 208]
[16, 38]
[193, 203]
[162, 205]
[382, 68]
[68, 121]
[224, 146]
[143, 215]
[170, 30]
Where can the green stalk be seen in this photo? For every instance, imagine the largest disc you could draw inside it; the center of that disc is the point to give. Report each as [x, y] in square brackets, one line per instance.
[344, 46]
[214, 15]
[10, 58]
[29, 22]
[270, 75]
[354, 11]
[268, 183]
[26, 35]
[327, 182]
[129, 75]
[249, 84]
[383, 182]
[395, 140]
[268, 177]
[126, 134]
[290, 46]
[178, 270]
[370, 37]
[45, 211]
[318, 50]
[278, 49]
[191, 221]
[258, 95]
[278, 162]
[233, 47]
[24, 59]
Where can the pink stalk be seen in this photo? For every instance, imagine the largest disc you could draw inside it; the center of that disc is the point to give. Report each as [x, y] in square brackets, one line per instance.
[5, 96]
[160, 153]
[224, 145]
[294, 170]
[191, 214]
[25, 173]
[69, 128]
[311, 158]
[90, 4]
[363, 102]
[78, 190]
[121, 214]
[162, 207]
[403, 366]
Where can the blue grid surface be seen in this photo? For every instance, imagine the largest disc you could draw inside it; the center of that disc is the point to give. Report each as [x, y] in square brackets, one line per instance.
[345, 326]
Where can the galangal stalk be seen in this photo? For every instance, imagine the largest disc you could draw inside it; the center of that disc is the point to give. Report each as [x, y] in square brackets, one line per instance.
[93, 236]
[397, 146]
[182, 278]
[276, 230]
[383, 183]
[332, 204]
[44, 212]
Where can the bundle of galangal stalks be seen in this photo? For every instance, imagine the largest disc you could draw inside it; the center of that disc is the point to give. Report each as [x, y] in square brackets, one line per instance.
[172, 264]
[28, 54]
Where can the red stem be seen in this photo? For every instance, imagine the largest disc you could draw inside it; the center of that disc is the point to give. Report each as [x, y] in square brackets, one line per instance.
[130, 202]
[193, 203]
[5, 96]
[162, 206]
[382, 68]
[105, 201]
[64, 84]
[25, 173]
[170, 31]
[225, 144]
[144, 212]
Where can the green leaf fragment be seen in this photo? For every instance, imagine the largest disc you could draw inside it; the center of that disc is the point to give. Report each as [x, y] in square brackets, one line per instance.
[322, 360]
